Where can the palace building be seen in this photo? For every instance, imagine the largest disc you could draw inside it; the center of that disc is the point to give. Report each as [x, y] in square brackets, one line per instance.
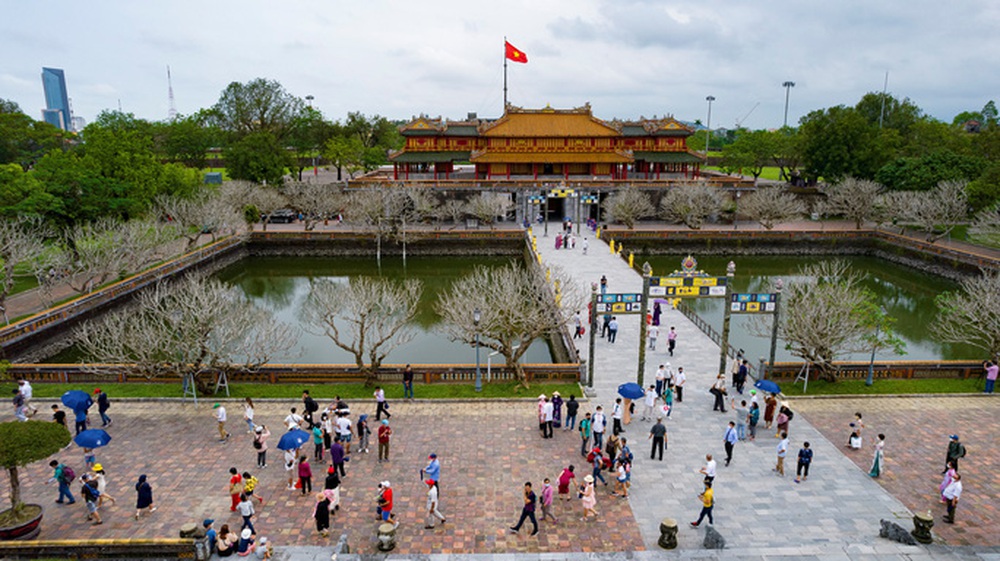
[547, 143]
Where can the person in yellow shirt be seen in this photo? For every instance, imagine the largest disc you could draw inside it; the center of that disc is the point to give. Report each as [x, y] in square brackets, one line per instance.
[707, 501]
[249, 484]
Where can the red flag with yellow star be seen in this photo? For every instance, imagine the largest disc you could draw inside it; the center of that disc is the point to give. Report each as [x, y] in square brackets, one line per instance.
[515, 54]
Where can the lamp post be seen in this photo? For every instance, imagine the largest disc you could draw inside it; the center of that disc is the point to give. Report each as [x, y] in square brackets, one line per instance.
[310, 98]
[708, 125]
[788, 88]
[871, 365]
[476, 316]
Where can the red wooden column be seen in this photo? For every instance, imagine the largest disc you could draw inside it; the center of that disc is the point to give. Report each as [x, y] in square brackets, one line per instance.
[534, 171]
[395, 171]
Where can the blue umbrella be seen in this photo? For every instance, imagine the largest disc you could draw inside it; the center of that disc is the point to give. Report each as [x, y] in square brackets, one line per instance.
[631, 390]
[293, 440]
[77, 400]
[767, 386]
[92, 438]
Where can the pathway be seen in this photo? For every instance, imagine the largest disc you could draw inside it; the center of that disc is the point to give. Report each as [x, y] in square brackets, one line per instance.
[839, 507]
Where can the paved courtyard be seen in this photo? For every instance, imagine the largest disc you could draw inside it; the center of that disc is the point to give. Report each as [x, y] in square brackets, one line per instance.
[488, 451]
[917, 432]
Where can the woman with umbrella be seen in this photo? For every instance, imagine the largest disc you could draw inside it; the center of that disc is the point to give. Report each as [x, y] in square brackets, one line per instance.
[144, 498]
[290, 442]
[88, 440]
[79, 401]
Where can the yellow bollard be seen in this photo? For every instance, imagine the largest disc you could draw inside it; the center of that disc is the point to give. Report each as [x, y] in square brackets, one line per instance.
[598, 232]
[548, 274]
[631, 259]
[611, 244]
[539, 256]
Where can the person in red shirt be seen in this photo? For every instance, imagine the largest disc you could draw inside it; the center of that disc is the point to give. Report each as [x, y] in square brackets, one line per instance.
[235, 487]
[385, 502]
[384, 432]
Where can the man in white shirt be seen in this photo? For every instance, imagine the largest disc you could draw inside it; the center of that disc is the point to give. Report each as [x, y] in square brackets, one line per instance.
[782, 452]
[344, 431]
[951, 494]
[660, 378]
[650, 402]
[616, 417]
[654, 332]
[547, 412]
[27, 392]
[293, 420]
[598, 423]
[709, 469]
[679, 380]
[220, 417]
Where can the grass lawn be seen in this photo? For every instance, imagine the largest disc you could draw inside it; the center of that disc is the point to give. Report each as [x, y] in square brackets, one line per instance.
[22, 283]
[324, 391]
[883, 387]
[772, 173]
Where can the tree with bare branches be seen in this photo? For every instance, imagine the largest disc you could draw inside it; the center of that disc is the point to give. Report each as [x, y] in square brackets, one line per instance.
[105, 250]
[207, 212]
[452, 209]
[628, 206]
[195, 328]
[829, 314]
[486, 207]
[315, 201]
[21, 241]
[937, 211]
[367, 317]
[517, 306]
[972, 315]
[771, 205]
[857, 200]
[378, 211]
[985, 229]
[690, 204]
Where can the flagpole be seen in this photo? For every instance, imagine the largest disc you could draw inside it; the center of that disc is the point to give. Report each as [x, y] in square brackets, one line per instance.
[504, 74]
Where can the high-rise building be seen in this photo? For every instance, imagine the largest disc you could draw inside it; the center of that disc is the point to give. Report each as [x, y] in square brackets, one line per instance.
[57, 111]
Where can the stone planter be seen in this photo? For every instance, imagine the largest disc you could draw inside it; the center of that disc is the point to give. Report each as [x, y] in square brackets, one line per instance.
[26, 530]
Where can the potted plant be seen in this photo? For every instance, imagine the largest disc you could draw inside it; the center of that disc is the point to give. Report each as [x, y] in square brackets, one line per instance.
[20, 444]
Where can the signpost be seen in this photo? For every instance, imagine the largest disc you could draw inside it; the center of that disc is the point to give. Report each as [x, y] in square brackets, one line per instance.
[760, 303]
[613, 303]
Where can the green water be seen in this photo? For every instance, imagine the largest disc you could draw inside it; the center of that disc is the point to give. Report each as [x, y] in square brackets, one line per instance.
[281, 285]
[907, 294]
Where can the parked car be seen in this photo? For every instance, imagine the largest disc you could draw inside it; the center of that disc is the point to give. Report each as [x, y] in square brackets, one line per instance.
[282, 216]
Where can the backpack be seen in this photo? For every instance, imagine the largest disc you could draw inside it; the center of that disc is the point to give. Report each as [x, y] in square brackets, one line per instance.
[627, 454]
[68, 475]
[789, 414]
[257, 444]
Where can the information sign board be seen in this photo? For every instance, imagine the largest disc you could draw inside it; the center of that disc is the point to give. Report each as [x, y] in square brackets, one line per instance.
[753, 303]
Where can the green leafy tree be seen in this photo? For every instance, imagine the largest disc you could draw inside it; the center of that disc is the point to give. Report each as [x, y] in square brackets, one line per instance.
[310, 131]
[24, 140]
[984, 191]
[923, 173]
[896, 114]
[787, 146]
[749, 153]
[22, 194]
[257, 157]
[257, 106]
[839, 141]
[345, 153]
[186, 140]
[22, 443]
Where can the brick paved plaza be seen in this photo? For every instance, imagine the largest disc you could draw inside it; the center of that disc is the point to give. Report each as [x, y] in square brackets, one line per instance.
[487, 452]
[917, 432]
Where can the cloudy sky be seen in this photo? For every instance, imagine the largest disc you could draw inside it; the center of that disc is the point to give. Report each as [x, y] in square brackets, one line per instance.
[628, 58]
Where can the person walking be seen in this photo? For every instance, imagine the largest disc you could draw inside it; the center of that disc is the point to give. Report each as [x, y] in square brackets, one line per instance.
[63, 475]
[433, 504]
[742, 414]
[565, 478]
[527, 511]
[782, 452]
[18, 402]
[337, 457]
[597, 463]
[584, 433]
[729, 441]
[384, 434]
[604, 284]
[854, 441]
[548, 495]
[290, 456]
[588, 498]
[219, 412]
[381, 405]
[572, 406]
[679, 379]
[260, 444]
[91, 496]
[956, 451]
[557, 403]
[250, 487]
[605, 325]
[741, 375]
[309, 408]
[432, 470]
[144, 496]
[753, 417]
[586, 245]
[235, 488]
[879, 456]
[80, 418]
[785, 415]
[671, 340]
[344, 431]
[616, 417]
[657, 311]
[992, 371]
[364, 434]
[660, 378]
[658, 434]
[949, 476]
[649, 401]
[25, 389]
[951, 494]
[708, 470]
[613, 329]
[408, 382]
[668, 399]
[770, 403]
[578, 326]
[654, 333]
[102, 485]
[59, 416]
[597, 425]
[248, 413]
[305, 475]
[245, 508]
[718, 390]
[707, 504]
[547, 412]
[102, 406]
[321, 514]
[805, 459]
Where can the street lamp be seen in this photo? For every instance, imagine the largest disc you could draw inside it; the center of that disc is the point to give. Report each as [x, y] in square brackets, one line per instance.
[788, 88]
[310, 99]
[871, 365]
[708, 125]
[476, 316]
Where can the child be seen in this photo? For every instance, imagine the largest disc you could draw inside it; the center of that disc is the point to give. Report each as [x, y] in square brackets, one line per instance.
[102, 484]
[92, 497]
[305, 475]
[322, 514]
[805, 458]
[249, 485]
[89, 457]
